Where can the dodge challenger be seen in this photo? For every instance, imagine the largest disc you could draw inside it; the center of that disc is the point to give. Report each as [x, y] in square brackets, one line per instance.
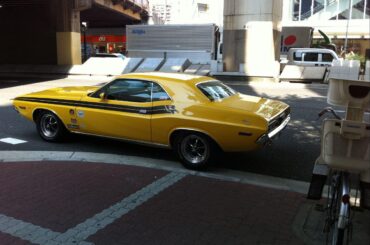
[196, 116]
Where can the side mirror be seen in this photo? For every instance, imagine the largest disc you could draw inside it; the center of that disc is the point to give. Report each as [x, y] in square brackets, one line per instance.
[102, 96]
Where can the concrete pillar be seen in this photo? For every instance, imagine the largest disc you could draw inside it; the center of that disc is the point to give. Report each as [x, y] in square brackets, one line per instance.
[252, 36]
[68, 35]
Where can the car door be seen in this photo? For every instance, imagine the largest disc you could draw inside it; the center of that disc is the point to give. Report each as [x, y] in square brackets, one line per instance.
[326, 59]
[120, 109]
[310, 59]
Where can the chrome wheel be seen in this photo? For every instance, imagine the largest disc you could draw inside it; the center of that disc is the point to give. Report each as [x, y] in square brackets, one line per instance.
[195, 149]
[49, 125]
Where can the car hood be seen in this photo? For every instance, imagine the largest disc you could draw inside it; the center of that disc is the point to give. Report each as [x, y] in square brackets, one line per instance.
[65, 93]
[263, 107]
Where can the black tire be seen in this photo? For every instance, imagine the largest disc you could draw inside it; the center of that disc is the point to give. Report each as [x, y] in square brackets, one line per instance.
[196, 151]
[338, 235]
[50, 127]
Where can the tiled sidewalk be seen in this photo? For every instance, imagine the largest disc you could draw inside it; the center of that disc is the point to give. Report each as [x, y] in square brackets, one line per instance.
[96, 203]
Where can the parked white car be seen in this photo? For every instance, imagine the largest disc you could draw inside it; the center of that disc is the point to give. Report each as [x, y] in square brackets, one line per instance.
[311, 57]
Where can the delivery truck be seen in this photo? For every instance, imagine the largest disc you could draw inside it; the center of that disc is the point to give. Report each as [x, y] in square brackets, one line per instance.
[198, 43]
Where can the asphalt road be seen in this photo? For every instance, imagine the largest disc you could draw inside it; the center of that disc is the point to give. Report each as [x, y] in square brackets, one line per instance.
[291, 156]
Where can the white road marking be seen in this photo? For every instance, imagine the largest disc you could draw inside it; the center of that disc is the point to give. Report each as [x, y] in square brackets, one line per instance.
[78, 234]
[99, 221]
[26, 231]
[12, 141]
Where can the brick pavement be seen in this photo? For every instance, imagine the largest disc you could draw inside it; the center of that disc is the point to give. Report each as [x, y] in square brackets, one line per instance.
[199, 210]
[92, 203]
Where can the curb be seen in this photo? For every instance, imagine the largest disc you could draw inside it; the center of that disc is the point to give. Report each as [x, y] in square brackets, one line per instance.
[172, 166]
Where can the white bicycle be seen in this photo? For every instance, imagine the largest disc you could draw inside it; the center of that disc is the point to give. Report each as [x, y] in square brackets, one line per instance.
[345, 150]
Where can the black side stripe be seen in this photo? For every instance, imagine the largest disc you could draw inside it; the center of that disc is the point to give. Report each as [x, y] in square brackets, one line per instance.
[131, 109]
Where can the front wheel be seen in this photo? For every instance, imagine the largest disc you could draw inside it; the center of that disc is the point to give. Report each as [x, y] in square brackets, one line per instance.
[50, 127]
[194, 150]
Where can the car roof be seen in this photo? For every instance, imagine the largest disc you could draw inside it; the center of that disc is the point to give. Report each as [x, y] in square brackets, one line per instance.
[313, 50]
[168, 77]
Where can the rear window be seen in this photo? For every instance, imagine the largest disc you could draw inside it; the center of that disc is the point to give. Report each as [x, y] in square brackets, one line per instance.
[215, 90]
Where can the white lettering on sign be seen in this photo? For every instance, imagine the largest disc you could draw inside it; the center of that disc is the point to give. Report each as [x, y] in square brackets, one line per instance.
[102, 39]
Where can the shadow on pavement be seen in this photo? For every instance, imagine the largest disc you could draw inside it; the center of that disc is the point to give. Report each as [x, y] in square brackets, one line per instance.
[8, 82]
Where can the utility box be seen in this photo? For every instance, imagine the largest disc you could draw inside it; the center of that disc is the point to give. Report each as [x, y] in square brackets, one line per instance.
[197, 43]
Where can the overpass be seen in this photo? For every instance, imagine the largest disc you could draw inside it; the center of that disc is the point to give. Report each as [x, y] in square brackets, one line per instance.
[49, 31]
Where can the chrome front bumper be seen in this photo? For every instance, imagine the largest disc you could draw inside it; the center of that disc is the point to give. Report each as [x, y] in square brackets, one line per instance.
[267, 138]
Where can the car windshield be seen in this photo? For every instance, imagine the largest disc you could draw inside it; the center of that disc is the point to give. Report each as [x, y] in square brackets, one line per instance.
[215, 90]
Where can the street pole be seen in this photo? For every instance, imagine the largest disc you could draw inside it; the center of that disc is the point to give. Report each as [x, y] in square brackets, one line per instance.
[349, 18]
[85, 48]
[84, 29]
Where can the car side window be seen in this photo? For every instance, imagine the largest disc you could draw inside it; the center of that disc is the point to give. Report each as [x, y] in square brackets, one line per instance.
[297, 56]
[159, 94]
[129, 90]
[312, 57]
[326, 57]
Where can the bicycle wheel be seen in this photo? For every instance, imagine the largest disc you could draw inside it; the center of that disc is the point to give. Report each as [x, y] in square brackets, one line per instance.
[332, 207]
[339, 209]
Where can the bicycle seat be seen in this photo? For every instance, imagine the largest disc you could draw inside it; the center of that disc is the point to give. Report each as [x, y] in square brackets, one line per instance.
[346, 145]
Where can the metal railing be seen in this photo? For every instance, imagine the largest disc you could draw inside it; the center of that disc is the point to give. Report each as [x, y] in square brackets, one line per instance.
[316, 9]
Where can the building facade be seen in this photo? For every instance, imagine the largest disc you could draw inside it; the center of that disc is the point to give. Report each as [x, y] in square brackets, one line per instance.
[336, 18]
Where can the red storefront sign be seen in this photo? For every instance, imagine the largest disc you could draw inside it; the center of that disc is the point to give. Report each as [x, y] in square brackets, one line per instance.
[104, 39]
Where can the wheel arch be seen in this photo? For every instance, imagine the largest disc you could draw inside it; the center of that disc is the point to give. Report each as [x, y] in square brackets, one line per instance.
[178, 131]
[37, 111]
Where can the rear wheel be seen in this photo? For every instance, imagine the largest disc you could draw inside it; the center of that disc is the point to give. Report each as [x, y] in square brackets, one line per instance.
[50, 127]
[194, 150]
[339, 235]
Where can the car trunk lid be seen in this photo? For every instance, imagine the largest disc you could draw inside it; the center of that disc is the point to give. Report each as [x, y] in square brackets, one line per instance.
[263, 107]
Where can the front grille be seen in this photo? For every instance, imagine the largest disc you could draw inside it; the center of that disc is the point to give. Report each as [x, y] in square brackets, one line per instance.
[277, 121]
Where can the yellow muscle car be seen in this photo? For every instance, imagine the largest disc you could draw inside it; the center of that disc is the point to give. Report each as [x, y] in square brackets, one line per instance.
[196, 116]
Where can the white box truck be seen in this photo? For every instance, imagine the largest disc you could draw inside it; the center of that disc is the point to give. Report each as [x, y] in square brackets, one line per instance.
[197, 43]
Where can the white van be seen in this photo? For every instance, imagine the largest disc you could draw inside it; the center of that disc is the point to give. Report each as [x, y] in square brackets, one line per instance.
[311, 57]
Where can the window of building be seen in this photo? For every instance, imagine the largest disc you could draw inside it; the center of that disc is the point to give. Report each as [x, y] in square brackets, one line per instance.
[330, 9]
[202, 7]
